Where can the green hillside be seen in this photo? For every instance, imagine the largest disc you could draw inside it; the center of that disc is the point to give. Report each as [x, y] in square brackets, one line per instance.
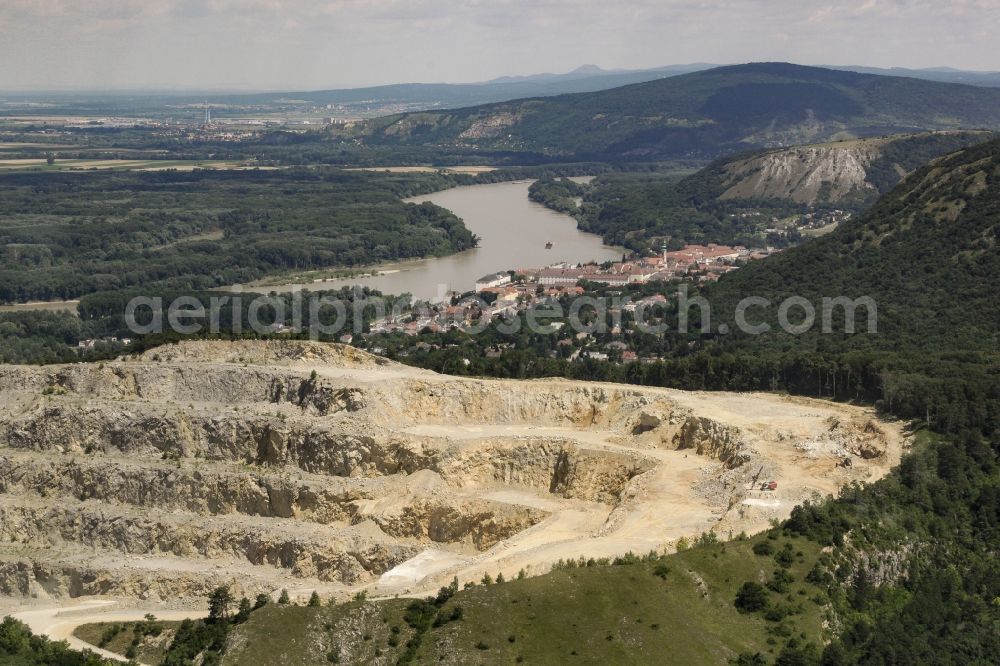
[705, 113]
[851, 173]
[927, 253]
[736, 199]
[630, 612]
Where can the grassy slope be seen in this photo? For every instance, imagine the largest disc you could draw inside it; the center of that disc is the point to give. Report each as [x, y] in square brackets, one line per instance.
[590, 615]
[149, 650]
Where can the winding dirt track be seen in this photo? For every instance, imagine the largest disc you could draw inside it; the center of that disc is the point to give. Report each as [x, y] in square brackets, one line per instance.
[59, 622]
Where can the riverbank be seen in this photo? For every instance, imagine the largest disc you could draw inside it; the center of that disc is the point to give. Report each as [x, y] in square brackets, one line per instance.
[514, 232]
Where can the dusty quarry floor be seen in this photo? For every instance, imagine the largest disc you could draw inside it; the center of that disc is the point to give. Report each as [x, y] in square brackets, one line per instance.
[270, 465]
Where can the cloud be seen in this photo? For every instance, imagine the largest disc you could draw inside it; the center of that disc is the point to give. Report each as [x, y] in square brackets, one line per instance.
[318, 43]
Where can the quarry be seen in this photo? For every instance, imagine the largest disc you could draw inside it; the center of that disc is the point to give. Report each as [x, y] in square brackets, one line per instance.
[270, 465]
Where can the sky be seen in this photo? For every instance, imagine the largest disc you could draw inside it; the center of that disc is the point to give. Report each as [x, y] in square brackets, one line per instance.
[316, 44]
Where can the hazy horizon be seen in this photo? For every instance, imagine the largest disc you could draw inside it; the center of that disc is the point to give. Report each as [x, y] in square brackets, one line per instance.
[279, 45]
[223, 91]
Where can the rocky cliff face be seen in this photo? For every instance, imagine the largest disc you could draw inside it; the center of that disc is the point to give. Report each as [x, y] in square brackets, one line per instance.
[809, 174]
[711, 438]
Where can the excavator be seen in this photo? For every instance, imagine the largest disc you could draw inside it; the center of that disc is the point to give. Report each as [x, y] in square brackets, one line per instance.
[767, 485]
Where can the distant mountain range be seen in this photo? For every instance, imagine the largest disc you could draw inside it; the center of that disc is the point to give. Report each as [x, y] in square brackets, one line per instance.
[588, 78]
[940, 74]
[706, 113]
[423, 96]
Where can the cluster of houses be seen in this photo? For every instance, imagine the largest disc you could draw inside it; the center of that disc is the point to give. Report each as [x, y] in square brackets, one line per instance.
[90, 344]
[693, 262]
[826, 220]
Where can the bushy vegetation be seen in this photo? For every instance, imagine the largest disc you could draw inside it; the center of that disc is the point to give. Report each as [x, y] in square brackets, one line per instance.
[913, 572]
[641, 211]
[19, 647]
[50, 337]
[53, 337]
[145, 640]
[203, 642]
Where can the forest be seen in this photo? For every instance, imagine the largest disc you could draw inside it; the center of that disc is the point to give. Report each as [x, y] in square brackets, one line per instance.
[640, 211]
[63, 235]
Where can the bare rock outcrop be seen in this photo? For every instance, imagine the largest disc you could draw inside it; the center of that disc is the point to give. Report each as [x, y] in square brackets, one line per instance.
[713, 439]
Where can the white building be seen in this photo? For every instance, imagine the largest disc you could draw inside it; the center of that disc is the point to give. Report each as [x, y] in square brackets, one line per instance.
[492, 280]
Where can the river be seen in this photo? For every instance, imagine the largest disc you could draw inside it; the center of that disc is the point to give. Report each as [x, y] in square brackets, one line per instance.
[513, 232]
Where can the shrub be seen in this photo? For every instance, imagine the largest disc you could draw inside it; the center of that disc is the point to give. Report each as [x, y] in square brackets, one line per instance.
[776, 613]
[751, 597]
[707, 539]
[785, 557]
[782, 579]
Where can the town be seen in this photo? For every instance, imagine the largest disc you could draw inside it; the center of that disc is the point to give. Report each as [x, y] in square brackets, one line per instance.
[505, 295]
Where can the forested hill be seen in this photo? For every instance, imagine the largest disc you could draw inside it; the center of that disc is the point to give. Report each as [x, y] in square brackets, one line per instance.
[707, 113]
[928, 253]
[773, 186]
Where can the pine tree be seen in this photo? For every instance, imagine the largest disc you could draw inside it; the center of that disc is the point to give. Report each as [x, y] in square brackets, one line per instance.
[243, 614]
[219, 602]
